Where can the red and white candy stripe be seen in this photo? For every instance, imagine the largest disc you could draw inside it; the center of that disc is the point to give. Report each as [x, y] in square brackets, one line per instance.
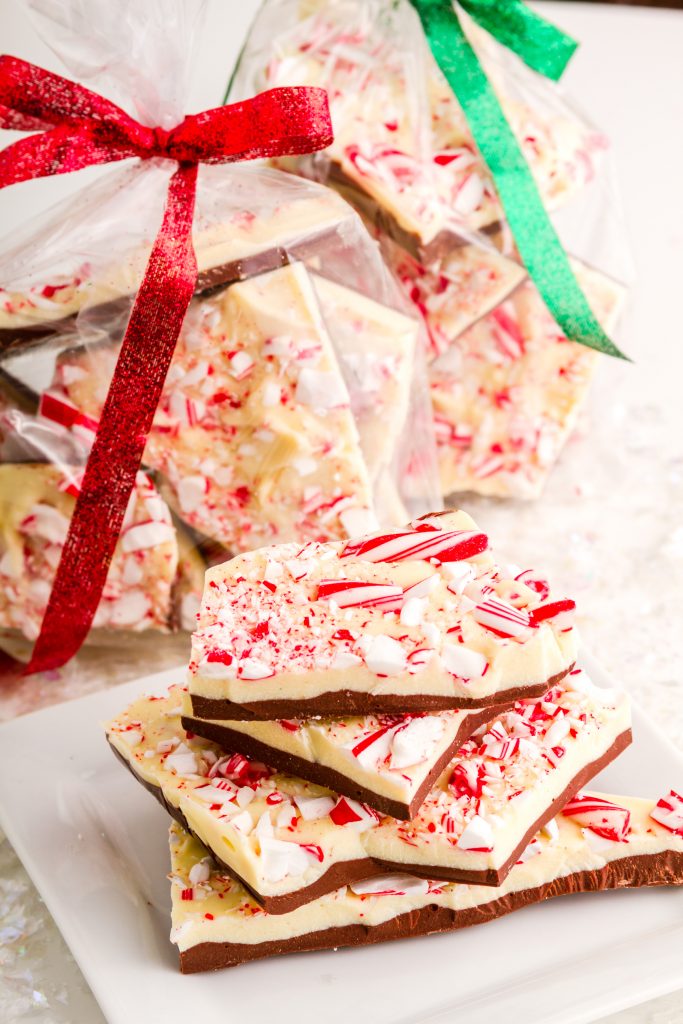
[467, 778]
[352, 813]
[601, 816]
[501, 750]
[356, 594]
[424, 543]
[501, 618]
[668, 811]
[60, 409]
[562, 611]
[534, 581]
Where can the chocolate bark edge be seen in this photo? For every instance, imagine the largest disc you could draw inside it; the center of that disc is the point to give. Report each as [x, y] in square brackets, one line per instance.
[343, 703]
[330, 778]
[496, 876]
[654, 869]
[339, 874]
[360, 868]
[209, 281]
[436, 248]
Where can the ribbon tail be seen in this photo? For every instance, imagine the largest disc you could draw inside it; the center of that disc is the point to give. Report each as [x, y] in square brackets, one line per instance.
[14, 120]
[57, 151]
[540, 44]
[535, 237]
[134, 392]
[31, 90]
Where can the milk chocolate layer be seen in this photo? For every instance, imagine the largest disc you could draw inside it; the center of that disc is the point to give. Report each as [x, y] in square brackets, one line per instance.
[342, 703]
[344, 872]
[322, 775]
[648, 870]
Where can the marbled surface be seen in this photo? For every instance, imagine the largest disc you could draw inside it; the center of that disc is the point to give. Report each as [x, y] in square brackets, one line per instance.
[609, 528]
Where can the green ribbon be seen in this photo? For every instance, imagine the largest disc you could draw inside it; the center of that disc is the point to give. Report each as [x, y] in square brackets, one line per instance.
[541, 45]
[547, 50]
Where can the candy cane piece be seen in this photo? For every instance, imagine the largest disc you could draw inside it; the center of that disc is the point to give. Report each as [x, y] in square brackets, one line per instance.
[356, 815]
[442, 545]
[354, 594]
[668, 812]
[467, 779]
[535, 582]
[601, 816]
[552, 610]
[500, 617]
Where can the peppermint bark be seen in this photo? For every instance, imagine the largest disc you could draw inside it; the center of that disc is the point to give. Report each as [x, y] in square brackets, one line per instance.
[289, 841]
[216, 924]
[418, 619]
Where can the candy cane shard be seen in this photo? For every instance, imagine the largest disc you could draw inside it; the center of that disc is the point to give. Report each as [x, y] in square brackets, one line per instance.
[418, 543]
[217, 923]
[417, 619]
[505, 782]
[668, 812]
[604, 818]
[155, 578]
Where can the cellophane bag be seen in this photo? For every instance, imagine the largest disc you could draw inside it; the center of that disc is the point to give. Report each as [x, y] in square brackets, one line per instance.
[296, 406]
[506, 384]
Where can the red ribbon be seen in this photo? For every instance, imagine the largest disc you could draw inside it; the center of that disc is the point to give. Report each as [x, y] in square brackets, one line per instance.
[78, 128]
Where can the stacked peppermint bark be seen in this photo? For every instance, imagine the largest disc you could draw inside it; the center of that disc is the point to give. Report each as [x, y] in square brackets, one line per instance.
[381, 738]
[505, 383]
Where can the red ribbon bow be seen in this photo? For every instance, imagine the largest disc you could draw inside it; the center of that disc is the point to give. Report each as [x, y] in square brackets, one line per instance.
[78, 128]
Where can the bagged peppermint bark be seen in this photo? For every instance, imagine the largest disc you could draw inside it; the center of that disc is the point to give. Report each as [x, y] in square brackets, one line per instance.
[505, 383]
[296, 405]
[155, 580]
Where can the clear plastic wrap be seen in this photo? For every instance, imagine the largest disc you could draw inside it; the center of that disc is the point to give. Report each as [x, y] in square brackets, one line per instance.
[506, 384]
[296, 406]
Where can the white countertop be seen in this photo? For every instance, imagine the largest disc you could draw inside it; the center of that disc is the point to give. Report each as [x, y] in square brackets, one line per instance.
[610, 525]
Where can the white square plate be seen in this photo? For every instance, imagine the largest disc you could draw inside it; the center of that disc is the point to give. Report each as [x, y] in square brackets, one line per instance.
[95, 844]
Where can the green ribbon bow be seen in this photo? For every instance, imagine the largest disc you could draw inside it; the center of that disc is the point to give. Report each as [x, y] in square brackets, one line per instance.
[547, 50]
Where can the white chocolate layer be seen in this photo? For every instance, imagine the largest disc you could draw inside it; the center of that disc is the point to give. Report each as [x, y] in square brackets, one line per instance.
[218, 909]
[268, 629]
[264, 827]
[377, 351]
[390, 755]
